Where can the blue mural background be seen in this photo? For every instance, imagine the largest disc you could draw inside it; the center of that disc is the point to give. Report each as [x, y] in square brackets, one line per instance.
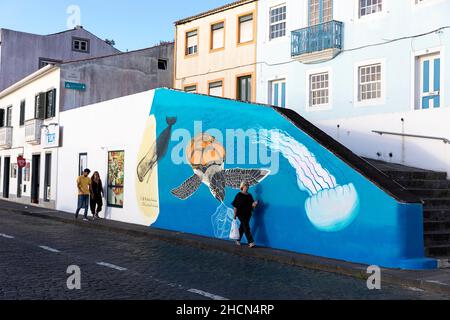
[383, 232]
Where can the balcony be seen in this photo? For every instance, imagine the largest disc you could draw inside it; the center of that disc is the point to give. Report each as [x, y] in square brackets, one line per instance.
[317, 43]
[33, 131]
[6, 137]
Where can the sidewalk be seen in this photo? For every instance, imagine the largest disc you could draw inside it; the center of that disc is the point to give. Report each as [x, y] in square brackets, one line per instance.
[431, 280]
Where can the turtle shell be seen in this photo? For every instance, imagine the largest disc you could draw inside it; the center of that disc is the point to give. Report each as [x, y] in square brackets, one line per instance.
[205, 150]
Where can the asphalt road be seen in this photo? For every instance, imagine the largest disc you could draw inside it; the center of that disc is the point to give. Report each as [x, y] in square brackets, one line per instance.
[36, 253]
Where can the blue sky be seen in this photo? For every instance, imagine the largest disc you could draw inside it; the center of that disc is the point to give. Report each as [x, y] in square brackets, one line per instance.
[133, 24]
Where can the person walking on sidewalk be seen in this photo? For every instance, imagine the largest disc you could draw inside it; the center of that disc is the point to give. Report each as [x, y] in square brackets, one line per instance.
[96, 195]
[83, 185]
[243, 206]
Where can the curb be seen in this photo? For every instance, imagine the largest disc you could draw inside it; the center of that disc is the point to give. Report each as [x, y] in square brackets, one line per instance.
[358, 271]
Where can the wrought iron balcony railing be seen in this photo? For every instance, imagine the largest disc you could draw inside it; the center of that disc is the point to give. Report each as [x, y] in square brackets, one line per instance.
[33, 130]
[328, 35]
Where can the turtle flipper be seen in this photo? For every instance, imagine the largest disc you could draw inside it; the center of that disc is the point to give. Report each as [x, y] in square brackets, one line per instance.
[234, 177]
[217, 185]
[188, 188]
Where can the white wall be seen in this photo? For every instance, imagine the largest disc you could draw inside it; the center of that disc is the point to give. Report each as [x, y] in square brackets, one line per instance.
[114, 125]
[400, 18]
[356, 134]
[28, 92]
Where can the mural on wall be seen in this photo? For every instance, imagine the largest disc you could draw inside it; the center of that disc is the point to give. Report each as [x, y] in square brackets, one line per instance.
[156, 152]
[330, 207]
[151, 151]
[207, 157]
[311, 201]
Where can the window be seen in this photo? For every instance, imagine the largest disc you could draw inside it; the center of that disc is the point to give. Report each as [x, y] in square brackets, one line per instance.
[319, 92]
[191, 42]
[277, 94]
[320, 11]
[216, 88]
[80, 45]
[277, 22]
[82, 163]
[43, 62]
[191, 88]
[22, 113]
[116, 172]
[45, 105]
[9, 116]
[244, 88]
[369, 82]
[367, 7]
[218, 36]
[162, 64]
[245, 30]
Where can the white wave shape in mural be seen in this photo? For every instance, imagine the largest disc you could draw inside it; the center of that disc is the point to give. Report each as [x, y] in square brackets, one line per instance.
[330, 207]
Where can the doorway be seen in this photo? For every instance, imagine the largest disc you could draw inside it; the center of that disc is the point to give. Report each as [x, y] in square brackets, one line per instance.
[19, 182]
[6, 174]
[35, 178]
[47, 176]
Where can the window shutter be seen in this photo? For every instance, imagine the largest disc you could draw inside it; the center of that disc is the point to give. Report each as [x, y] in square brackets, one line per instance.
[22, 113]
[218, 36]
[2, 118]
[192, 39]
[50, 104]
[40, 106]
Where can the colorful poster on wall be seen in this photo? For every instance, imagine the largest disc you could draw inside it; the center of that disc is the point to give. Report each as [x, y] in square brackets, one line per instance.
[116, 175]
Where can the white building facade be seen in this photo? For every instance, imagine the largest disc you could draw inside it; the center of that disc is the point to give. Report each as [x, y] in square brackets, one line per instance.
[29, 128]
[373, 71]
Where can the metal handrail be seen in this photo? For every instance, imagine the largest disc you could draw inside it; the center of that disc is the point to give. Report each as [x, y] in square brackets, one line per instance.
[445, 140]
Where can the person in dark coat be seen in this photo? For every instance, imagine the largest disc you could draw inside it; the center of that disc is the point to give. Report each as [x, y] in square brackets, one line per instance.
[243, 206]
[96, 195]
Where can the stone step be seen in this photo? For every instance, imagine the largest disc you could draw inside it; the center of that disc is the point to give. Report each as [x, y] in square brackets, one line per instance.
[442, 250]
[436, 214]
[436, 225]
[416, 175]
[437, 237]
[425, 184]
[430, 192]
[436, 203]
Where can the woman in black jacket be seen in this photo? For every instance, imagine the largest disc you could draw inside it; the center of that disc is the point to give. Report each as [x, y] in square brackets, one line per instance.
[243, 206]
[96, 195]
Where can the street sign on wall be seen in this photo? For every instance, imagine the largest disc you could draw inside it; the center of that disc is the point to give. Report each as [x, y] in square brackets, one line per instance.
[75, 86]
[50, 136]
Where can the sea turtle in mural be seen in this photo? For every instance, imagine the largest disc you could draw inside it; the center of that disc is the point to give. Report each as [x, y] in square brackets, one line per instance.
[207, 158]
[157, 151]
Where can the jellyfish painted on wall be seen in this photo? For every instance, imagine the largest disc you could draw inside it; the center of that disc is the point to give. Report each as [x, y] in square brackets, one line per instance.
[330, 207]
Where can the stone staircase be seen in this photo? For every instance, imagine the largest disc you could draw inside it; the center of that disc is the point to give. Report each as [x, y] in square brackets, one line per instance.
[433, 189]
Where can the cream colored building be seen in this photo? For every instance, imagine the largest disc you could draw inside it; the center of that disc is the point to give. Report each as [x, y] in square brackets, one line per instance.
[215, 52]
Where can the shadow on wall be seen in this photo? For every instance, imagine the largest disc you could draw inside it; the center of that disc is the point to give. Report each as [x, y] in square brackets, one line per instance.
[259, 226]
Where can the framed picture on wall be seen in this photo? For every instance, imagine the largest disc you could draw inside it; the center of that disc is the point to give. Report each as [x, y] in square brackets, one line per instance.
[14, 168]
[116, 174]
[82, 163]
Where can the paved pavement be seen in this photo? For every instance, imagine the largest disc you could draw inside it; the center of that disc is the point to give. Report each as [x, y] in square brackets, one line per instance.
[35, 254]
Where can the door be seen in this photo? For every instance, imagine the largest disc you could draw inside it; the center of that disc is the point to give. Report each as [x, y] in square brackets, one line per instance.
[320, 33]
[430, 82]
[6, 176]
[19, 182]
[244, 88]
[278, 93]
[47, 176]
[35, 178]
